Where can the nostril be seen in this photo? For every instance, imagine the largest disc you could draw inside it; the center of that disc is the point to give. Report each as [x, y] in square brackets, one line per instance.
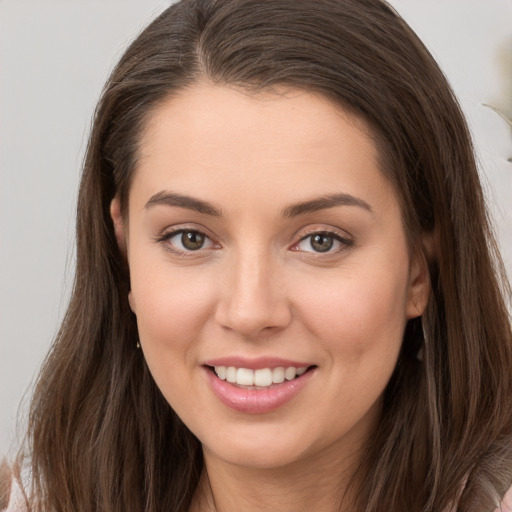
[254, 307]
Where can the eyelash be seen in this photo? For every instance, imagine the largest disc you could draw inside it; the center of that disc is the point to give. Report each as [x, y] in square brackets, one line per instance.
[344, 243]
[165, 239]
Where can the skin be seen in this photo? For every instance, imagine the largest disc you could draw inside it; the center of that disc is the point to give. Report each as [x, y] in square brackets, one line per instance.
[259, 288]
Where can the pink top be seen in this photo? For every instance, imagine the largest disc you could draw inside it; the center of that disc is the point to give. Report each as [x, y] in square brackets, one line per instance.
[18, 502]
[506, 504]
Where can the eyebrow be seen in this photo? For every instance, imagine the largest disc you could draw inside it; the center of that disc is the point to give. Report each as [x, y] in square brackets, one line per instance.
[183, 201]
[294, 210]
[324, 202]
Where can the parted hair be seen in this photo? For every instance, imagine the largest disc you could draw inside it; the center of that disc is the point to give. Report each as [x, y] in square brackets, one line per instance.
[102, 437]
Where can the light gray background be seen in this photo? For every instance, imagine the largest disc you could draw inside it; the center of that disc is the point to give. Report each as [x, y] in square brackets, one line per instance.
[54, 59]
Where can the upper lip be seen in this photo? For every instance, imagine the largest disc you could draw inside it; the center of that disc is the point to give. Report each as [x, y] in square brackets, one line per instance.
[255, 363]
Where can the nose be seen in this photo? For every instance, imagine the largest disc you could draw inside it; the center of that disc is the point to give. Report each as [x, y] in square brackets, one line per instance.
[254, 299]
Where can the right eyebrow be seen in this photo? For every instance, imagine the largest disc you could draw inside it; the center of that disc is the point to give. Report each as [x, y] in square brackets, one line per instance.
[183, 201]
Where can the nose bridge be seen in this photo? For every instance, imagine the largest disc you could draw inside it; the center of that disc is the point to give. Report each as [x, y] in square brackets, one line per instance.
[254, 299]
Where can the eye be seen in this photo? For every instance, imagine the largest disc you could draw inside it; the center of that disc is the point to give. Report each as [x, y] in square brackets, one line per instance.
[187, 240]
[322, 242]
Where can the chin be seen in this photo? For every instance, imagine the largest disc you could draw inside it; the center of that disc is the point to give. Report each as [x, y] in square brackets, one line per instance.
[255, 456]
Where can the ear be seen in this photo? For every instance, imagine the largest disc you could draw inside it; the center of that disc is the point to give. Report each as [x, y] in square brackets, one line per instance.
[117, 219]
[131, 301]
[419, 282]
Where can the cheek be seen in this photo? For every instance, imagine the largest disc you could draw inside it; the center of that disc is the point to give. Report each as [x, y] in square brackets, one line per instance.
[358, 310]
[172, 306]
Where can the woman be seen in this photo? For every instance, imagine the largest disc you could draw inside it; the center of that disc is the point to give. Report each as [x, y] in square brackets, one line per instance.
[286, 292]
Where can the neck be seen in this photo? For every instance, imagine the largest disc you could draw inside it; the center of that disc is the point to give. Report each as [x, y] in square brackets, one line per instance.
[309, 485]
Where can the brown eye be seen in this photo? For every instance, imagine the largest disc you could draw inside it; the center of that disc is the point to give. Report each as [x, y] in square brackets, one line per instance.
[184, 241]
[322, 242]
[192, 240]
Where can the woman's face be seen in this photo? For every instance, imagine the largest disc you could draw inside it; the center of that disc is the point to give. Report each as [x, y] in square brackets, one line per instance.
[270, 273]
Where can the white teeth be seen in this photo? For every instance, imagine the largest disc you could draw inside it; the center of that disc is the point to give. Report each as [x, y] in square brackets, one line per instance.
[221, 372]
[290, 373]
[245, 377]
[278, 375]
[260, 378]
[231, 374]
[263, 377]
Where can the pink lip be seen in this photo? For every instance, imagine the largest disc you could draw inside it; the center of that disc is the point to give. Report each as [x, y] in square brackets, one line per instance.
[256, 363]
[254, 401]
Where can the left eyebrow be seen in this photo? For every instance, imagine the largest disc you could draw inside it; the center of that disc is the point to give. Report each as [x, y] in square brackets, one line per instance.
[324, 202]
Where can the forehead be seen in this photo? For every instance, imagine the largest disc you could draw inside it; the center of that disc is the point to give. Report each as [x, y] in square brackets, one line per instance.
[209, 136]
[202, 102]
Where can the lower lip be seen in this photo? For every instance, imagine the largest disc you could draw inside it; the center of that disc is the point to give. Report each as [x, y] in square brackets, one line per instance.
[256, 401]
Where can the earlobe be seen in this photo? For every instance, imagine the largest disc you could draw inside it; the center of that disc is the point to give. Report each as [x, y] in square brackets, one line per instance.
[117, 219]
[131, 301]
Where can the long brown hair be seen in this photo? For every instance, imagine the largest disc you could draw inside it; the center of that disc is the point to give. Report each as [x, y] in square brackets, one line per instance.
[101, 435]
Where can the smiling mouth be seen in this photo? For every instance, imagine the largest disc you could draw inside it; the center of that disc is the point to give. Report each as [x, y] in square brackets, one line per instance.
[263, 378]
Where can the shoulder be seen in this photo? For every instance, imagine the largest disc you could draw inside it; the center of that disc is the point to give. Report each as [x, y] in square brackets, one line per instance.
[17, 498]
[506, 504]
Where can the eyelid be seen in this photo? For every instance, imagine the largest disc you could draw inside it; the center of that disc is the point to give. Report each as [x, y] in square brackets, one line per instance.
[172, 231]
[342, 236]
[324, 228]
